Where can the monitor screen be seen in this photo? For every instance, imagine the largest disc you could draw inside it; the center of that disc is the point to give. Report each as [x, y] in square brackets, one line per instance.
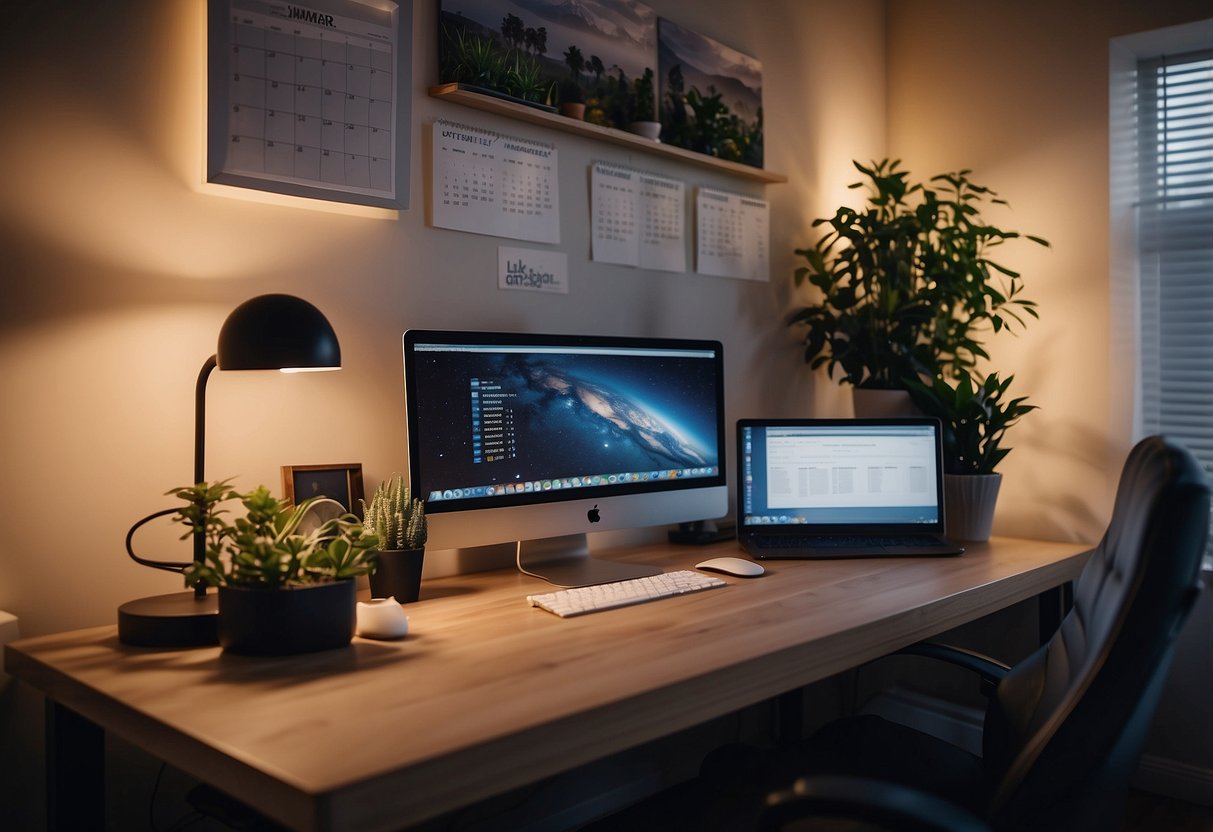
[514, 436]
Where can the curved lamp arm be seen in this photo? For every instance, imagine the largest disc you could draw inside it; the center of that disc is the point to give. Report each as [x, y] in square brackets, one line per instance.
[199, 456]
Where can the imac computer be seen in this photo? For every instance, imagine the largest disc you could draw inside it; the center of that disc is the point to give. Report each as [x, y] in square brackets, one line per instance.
[539, 439]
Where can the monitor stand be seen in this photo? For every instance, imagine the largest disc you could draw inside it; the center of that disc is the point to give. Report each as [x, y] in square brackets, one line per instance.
[565, 561]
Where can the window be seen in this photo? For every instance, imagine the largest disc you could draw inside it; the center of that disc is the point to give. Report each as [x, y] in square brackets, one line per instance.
[1161, 235]
[1175, 248]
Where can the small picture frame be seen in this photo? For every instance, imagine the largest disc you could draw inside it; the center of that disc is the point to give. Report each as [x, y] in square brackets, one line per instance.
[342, 483]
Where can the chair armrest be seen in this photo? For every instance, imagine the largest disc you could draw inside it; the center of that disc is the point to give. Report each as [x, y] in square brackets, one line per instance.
[887, 805]
[990, 670]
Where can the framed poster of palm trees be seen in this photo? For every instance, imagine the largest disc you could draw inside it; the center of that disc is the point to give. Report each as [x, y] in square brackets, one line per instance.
[614, 57]
[710, 95]
[591, 51]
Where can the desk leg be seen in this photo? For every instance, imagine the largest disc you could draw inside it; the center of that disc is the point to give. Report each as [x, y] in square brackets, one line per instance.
[1052, 606]
[75, 771]
[790, 709]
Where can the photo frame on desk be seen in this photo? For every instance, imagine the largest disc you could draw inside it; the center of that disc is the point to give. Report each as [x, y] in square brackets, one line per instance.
[311, 101]
[342, 483]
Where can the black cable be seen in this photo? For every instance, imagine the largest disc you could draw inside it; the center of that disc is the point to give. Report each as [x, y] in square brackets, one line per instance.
[171, 566]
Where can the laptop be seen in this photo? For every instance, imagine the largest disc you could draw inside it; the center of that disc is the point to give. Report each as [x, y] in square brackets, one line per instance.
[841, 488]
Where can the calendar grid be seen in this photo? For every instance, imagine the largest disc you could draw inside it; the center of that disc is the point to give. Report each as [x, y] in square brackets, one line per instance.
[490, 183]
[637, 218]
[310, 106]
[310, 97]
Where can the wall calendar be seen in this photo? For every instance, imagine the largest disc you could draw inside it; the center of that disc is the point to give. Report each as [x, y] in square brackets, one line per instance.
[311, 100]
[637, 218]
[733, 235]
[489, 183]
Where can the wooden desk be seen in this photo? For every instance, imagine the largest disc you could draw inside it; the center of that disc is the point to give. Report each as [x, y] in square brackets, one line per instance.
[488, 694]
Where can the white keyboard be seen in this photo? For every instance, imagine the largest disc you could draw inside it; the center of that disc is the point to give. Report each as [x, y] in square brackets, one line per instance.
[582, 599]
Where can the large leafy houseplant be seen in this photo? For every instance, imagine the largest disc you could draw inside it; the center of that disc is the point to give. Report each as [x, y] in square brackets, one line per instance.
[905, 286]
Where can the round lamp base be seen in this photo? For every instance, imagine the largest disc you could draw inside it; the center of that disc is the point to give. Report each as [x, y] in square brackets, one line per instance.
[179, 619]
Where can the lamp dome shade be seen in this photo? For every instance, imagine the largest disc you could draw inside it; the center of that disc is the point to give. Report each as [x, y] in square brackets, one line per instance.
[275, 332]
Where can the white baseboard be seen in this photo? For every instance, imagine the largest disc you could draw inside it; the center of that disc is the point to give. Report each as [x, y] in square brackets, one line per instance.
[1170, 778]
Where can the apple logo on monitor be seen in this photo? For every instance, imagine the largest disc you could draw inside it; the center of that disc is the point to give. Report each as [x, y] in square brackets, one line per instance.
[593, 515]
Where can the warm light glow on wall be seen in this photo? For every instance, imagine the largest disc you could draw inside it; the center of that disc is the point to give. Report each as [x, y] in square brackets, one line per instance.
[117, 181]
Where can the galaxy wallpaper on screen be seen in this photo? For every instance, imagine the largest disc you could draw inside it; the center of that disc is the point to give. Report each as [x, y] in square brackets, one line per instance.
[501, 418]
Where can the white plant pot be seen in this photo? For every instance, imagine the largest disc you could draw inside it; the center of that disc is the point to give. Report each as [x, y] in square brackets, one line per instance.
[649, 129]
[969, 501]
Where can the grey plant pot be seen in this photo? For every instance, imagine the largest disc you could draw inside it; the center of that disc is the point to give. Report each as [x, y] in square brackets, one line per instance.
[969, 501]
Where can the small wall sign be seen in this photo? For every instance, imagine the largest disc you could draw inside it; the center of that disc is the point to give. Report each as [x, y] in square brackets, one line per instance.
[532, 270]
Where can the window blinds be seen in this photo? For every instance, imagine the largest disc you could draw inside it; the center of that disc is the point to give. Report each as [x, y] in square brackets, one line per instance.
[1175, 247]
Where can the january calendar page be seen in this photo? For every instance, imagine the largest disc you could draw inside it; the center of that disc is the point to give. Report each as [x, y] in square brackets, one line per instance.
[310, 100]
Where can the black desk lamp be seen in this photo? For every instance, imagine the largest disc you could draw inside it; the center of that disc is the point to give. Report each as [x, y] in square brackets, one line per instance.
[269, 332]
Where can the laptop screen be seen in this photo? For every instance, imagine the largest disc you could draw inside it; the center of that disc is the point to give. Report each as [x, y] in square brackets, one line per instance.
[841, 474]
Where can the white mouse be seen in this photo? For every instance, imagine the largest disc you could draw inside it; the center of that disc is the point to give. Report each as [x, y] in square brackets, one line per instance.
[732, 566]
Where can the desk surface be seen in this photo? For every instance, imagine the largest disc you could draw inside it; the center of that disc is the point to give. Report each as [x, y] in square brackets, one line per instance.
[487, 693]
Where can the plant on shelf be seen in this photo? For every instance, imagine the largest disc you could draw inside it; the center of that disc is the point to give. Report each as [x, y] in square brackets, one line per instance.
[572, 99]
[642, 108]
[396, 519]
[285, 578]
[523, 80]
[905, 287]
[644, 102]
[473, 59]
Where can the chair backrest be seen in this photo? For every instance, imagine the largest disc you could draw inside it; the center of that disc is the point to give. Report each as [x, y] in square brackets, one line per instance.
[1066, 725]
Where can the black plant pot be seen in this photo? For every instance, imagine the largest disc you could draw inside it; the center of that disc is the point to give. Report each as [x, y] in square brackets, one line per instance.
[397, 574]
[280, 622]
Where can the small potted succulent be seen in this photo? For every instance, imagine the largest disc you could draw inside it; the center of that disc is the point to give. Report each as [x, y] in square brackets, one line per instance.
[397, 521]
[285, 579]
[644, 108]
[976, 413]
[572, 99]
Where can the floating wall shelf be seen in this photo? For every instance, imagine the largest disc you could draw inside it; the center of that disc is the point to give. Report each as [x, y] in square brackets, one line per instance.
[521, 112]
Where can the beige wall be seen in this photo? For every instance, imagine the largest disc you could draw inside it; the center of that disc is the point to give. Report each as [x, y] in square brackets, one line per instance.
[120, 265]
[1018, 92]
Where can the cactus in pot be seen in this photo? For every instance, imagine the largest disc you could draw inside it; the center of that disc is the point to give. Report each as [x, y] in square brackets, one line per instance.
[395, 517]
[398, 521]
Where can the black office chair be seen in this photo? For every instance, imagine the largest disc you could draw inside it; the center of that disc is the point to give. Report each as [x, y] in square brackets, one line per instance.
[1064, 727]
